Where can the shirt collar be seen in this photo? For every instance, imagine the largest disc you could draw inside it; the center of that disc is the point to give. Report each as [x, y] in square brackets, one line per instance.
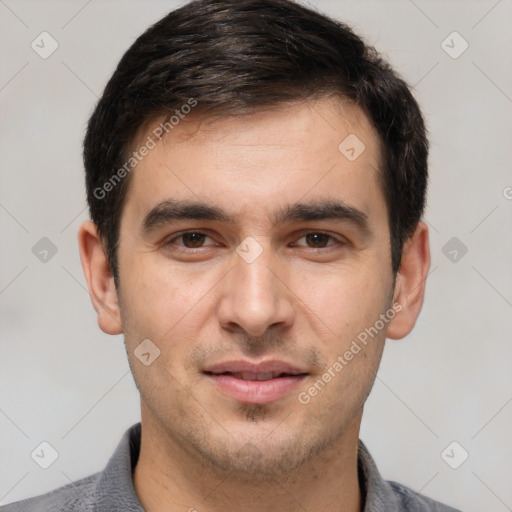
[115, 488]
[377, 493]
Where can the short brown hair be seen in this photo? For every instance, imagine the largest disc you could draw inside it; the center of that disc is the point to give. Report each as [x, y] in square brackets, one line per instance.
[234, 56]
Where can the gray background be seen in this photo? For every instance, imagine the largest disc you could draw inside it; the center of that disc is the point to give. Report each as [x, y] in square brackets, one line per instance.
[65, 382]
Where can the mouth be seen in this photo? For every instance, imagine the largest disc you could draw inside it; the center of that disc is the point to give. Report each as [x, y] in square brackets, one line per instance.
[252, 383]
[256, 376]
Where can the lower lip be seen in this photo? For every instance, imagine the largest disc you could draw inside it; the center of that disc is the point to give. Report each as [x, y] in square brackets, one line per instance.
[256, 391]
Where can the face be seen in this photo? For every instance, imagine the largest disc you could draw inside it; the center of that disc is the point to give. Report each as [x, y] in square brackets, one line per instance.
[253, 253]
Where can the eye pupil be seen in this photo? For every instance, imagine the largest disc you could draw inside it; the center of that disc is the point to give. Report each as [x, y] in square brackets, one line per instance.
[317, 239]
[193, 239]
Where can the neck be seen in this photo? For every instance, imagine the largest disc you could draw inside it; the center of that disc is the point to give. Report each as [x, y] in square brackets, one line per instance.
[169, 477]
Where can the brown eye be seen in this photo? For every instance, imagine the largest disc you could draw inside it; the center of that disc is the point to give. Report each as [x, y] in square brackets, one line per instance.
[187, 240]
[193, 240]
[317, 240]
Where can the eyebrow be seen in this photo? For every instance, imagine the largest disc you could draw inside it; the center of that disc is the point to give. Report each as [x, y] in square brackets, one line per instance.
[173, 209]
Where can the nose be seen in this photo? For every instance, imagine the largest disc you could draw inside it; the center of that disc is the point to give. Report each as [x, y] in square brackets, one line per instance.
[255, 297]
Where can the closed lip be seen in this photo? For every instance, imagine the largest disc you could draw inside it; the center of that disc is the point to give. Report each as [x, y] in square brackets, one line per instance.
[244, 366]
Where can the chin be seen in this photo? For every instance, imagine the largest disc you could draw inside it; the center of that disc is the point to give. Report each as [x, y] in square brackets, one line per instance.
[260, 458]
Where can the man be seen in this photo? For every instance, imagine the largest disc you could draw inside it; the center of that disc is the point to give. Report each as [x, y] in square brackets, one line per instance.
[256, 178]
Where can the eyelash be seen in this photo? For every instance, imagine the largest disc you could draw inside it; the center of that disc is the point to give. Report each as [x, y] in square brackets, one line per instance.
[170, 241]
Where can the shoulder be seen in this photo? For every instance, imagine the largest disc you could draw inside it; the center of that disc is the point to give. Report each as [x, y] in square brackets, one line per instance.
[411, 501]
[390, 496]
[74, 497]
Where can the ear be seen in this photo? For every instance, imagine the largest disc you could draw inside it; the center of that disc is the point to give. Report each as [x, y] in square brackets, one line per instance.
[100, 280]
[410, 283]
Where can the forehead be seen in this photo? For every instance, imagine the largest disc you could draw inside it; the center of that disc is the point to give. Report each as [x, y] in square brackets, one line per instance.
[251, 163]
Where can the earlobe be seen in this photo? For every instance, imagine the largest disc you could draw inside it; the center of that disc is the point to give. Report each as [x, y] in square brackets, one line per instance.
[410, 282]
[100, 280]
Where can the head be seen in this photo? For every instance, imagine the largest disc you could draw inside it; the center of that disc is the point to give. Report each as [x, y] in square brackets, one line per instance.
[266, 128]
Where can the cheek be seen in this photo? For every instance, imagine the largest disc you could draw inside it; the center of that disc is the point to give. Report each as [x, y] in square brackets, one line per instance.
[347, 299]
[159, 295]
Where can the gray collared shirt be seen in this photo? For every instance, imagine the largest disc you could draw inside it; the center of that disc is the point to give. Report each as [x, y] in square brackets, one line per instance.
[111, 490]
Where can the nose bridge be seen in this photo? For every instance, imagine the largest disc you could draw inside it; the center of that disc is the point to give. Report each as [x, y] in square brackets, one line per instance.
[253, 297]
[255, 280]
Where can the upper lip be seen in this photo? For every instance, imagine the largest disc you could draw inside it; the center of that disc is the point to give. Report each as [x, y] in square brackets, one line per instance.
[241, 366]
